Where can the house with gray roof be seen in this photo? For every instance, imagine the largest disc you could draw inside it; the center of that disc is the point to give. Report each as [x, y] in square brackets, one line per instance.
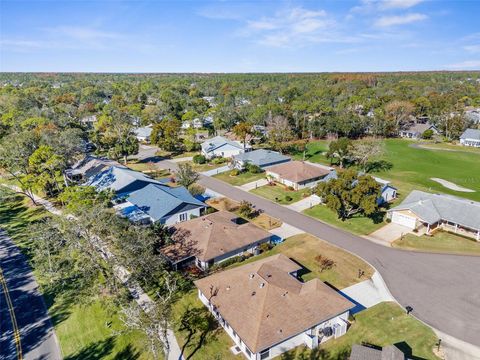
[429, 212]
[261, 158]
[88, 167]
[416, 130]
[363, 352]
[121, 180]
[160, 203]
[470, 137]
[143, 133]
[223, 147]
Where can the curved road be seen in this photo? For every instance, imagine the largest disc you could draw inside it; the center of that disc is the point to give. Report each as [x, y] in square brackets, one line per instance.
[444, 290]
[23, 300]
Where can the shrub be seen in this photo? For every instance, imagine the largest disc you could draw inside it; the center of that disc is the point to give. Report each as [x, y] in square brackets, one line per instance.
[210, 210]
[234, 172]
[199, 159]
[246, 209]
[290, 188]
[288, 198]
[196, 189]
[264, 247]
[324, 262]
[219, 160]
[253, 169]
[427, 134]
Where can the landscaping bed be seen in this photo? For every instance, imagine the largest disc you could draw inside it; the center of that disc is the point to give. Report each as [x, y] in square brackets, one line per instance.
[441, 241]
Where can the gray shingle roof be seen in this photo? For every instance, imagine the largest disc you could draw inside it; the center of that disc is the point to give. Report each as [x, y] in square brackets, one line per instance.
[145, 131]
[361, 352]
[262, 157]
[217, 141]
[159, 201]
[419, 128]
[471, 134]
[435, 207]
[120, 180]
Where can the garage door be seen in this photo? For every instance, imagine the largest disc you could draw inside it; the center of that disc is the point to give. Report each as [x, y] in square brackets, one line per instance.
[404, 220]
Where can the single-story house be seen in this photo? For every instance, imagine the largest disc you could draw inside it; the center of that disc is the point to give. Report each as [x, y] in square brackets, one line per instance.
[121, 180]
[160, 203]
[88, 167]
[388, 192]
[363, 352]
[298, 174]
[260, 157]
[143, 134]
[213, 238]
[267, 310]
[222, 147]
[473, 115]
[195, 123]
[471, 137]
[415, 131]
[88, 120]
[425, 211]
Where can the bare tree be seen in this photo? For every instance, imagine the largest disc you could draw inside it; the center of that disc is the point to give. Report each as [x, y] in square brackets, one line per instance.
[363, 151]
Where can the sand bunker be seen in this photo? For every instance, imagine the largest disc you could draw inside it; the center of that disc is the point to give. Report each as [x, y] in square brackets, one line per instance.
[451, 185]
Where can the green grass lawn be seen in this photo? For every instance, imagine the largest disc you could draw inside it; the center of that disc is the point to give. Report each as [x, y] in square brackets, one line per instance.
[216, 344]
[315, 152]
[279, 193]
[441, 241]
[413, 168]
[81, 327]
[303, 248]
[203, 167]
[383, 324]
[242, 178]
[358, 224]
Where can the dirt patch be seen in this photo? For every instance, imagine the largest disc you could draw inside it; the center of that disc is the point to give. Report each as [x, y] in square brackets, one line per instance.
[452, 186]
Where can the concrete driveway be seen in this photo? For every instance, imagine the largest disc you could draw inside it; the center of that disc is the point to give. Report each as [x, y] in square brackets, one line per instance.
[305, 203]
[285, 231]
[253, 185]
[389, 233]
[216, 171]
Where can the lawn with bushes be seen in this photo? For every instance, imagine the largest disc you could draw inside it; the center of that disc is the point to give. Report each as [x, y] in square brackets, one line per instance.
[281, 194]
[241, 178]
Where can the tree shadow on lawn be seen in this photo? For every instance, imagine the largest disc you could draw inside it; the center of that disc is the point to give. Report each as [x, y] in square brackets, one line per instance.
[315, 354]
[95, 351]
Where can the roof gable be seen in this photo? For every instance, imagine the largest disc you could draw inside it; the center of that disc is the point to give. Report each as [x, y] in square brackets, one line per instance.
[266, 305]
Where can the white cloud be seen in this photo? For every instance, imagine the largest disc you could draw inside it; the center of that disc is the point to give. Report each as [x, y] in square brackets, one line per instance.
[472, 48]
[465, 65]
[290, 27]
[386, 21]
[399, 4]
[373, 6]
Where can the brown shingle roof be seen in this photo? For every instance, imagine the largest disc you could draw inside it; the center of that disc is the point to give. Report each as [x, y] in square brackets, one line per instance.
[298, 171]
[265, 305]
[212, 235]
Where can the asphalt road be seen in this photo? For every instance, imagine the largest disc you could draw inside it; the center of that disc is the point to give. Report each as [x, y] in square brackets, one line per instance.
[444, 290]
[37, 337]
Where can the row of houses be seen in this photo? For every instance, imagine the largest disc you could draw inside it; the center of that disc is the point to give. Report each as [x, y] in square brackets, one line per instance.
[263, 306]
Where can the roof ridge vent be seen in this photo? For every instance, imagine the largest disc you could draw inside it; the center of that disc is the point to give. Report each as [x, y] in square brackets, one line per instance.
[262, 285]
[252, 275]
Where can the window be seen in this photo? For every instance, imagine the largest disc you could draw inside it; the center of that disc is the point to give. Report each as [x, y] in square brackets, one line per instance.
[265, 354]
[248, 352]
[182, 216]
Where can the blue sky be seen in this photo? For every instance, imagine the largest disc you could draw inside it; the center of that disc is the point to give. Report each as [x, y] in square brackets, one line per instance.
[237, 36]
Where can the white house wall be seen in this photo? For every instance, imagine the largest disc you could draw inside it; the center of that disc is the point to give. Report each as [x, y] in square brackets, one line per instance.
[175, 218]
